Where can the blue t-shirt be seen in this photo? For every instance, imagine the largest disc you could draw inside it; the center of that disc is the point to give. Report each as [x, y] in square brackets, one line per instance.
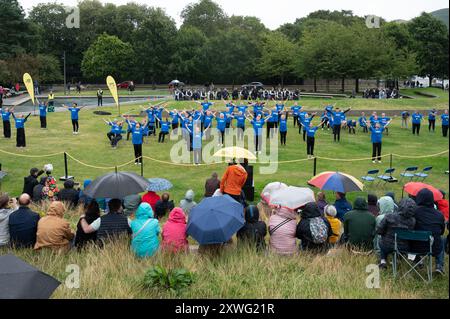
[165, 126]
[230, 108]
[283, 125]
[416, 118]
[5, 116]
[137, 135]
[242, 108]
[159, 113]
[221, 124]
[444, 118]
[296, 109]
[431, 116]
[42, 110]
[257, 109]
[301, 115]
[258, 126]
[338, 117]
[377, 134]
[206, 106]
[74, 113]
[362, 121]
[240, 120]
[189, 125]
[306, 123]
[280, 107]
[311, 131]
[208, 120]
[274, 116]
[384, 121]
[197, 140]
[131, 125]
[374, 121]
[175, 117]
[151, 116]
[115, 128]
[20, 123]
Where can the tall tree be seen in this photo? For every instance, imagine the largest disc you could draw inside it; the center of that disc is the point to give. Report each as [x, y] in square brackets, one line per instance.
[205, 15]
[108, 55]
[430, 37]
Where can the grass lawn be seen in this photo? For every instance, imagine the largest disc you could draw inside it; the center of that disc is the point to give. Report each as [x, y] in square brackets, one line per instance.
[116, 273]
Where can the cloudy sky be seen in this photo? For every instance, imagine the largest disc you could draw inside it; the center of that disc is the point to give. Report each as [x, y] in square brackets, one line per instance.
[275, 13]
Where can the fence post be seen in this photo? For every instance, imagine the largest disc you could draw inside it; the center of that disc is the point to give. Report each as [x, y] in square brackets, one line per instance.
[315, 167]
[66, 170]
[142, 166]
[116, 169]
[390, 161]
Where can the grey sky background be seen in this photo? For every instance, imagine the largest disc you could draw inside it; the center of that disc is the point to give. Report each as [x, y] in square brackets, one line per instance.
[275, 13]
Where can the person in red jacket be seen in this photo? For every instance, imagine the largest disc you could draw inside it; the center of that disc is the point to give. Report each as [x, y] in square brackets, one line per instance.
[233, 180]
[174, 238]
[151, 198]
[442, 206]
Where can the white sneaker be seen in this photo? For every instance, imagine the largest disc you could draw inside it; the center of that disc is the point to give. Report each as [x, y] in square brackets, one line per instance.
[379, 162]
[374, 162]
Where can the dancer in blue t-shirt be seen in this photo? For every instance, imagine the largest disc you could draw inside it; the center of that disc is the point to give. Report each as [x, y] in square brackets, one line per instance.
[43, 114]
[416, 119]
[432, 120]
[115, 134]
[74, 110]
[337, 118]
[376, 138]
[444, 119]
[6, 114]
[20, 126]
[258, 126]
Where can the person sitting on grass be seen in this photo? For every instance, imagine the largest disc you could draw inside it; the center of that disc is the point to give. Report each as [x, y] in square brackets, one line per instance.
[359, 226]
[23, 224]
[163, 206]
[187, 203]
[313, 230]
[37, 190]
[342, 205]
[83, 198]
[6, 209]
[372, 204]
[31, 181]
[211, 185]
[109, 226]
[336, 224]
[282, 230]
[131, 204]
[403, 219]
[174, 238]
[50, 191]
[91, 213]
[254, 231]
[151, 198]
[145, 229]
[69, 195]
[53, 230]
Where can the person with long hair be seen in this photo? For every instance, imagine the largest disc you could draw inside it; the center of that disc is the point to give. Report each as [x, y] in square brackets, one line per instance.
[91, 213]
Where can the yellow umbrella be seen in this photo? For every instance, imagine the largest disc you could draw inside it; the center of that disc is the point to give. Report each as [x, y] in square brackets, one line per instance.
[235, 152]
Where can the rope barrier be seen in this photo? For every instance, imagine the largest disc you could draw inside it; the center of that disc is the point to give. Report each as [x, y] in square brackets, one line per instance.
[211, 164]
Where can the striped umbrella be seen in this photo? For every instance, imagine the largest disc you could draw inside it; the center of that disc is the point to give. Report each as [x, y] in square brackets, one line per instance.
[336, 181]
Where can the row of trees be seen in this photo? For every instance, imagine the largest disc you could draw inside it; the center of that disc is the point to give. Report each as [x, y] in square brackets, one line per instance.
[142, 43]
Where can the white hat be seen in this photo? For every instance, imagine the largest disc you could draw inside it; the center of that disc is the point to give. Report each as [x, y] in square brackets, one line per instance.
[48, 168]
[330, 210]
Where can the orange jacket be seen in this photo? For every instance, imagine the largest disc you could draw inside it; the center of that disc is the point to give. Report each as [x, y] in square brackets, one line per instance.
[233, 180]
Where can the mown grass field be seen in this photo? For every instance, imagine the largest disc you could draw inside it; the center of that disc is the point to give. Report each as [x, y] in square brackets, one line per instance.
[115, 273]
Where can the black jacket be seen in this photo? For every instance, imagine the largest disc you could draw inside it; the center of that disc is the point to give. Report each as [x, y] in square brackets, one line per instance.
[254, 231]
[29, 182]
[162, 208]
[404, 219]
[69, 194]
[23, 227]
[428, 219]
[304, 231]
[81, 238]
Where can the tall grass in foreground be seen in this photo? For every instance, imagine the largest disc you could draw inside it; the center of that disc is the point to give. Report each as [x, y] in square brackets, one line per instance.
[239, 272]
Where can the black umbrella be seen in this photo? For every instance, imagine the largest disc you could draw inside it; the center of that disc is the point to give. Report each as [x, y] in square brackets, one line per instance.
[19, 280]
[117, 185]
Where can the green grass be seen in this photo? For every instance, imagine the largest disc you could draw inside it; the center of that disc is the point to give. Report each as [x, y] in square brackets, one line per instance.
[114, 272]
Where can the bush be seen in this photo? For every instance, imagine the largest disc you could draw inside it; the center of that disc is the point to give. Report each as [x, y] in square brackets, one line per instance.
[172, 279]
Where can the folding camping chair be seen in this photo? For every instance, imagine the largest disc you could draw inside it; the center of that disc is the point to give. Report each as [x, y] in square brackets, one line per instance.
[424, 174]
[371, 176]
[387, 176]
[412, 235]
[409, 173]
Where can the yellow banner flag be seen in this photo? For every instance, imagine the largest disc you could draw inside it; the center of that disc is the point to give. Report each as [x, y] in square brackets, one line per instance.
[28, 81]
[113, 88]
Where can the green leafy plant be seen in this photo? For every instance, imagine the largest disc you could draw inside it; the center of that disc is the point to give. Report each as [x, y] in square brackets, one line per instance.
[172, 279]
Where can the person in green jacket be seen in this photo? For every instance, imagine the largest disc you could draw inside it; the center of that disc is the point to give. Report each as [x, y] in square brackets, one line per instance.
[359, 225]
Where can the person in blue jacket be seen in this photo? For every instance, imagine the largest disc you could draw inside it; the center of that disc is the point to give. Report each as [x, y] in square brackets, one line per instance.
[6, 114]
[20, 126]
[337, 118]
[295, 109]
[376, 138]
[444, 118]
[165, 127]
[43, 114]
[432, 120]
[115, 134]
[416, 119]
[137, 139]
[145, 231]
[74, 110]
[363, 122]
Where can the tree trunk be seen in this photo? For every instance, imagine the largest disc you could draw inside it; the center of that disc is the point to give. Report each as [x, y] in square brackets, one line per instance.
[357, 85]
[430, 80]
[282, 81]
[315, 85]
[343, 85]
[328, 85]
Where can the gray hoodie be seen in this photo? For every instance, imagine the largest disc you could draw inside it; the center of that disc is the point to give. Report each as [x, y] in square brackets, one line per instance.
[188, 203]
[4, 226]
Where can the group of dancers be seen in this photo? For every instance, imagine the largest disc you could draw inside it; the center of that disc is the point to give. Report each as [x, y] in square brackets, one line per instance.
[198, 124]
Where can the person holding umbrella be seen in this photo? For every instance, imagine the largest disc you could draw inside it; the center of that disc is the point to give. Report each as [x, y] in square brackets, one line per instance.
[233, 180]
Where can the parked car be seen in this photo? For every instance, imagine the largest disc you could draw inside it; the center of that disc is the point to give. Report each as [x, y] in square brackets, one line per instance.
[124, 85]
[254, 85]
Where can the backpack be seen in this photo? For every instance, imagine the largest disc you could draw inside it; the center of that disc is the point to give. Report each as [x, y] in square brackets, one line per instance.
[319, 230]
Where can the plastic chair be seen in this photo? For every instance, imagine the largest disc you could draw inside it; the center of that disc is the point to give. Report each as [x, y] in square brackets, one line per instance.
[424, 174]
[369, 178]
[412, 235]
[409, 173]
[387, 176]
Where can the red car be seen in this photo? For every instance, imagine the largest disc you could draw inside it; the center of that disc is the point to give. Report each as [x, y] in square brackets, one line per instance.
[125, 85]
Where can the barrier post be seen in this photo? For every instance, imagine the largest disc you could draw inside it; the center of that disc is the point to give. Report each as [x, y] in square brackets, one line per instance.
[142, 166]
[315, 167]
[116, 169]
[390, 161]
[66, 170]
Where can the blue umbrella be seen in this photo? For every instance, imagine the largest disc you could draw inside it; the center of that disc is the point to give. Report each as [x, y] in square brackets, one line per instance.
[158, 185]
[215, 220]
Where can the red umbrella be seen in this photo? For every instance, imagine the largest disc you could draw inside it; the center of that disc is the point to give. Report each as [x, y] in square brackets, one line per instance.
[414, 188]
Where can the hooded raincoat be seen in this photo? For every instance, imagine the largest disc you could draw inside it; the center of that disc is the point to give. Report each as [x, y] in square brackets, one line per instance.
[174, 236]
[145, 228]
